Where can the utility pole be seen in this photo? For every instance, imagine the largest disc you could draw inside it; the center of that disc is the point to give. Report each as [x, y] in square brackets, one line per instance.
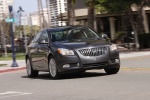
[39, 11]
[48, 15]
[23, 29]
[41, 4]
[30, 22]
[25, 35]
[41, 14]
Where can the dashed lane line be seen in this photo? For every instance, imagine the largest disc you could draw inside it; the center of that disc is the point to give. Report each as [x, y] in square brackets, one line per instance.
[12, 94]
[136, 69]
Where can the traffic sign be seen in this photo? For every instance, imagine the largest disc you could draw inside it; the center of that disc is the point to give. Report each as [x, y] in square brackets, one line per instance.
[10, 20]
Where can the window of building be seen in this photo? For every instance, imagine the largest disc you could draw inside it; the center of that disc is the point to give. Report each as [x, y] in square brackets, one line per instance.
[65, 9]
[65, 4]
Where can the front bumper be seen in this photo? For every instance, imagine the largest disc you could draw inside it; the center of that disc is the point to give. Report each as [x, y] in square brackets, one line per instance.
[79, 62]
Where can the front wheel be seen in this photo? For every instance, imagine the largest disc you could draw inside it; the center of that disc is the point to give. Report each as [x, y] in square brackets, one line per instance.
[31, 73]
[53, 68]
[112, 70]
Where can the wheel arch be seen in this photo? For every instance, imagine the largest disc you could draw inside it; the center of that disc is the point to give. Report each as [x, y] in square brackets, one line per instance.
[49, 56]
[26, 57]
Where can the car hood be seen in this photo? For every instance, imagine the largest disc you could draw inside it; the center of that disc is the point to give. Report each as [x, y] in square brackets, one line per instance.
[81, 44]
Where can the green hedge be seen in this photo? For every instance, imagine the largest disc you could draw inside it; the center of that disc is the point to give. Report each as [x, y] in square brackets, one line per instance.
[144, 40]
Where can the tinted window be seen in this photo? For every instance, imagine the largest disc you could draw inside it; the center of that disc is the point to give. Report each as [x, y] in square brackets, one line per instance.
[58, 35]
[72, 34]
[43, 36]
[82, 33]
[36, 38]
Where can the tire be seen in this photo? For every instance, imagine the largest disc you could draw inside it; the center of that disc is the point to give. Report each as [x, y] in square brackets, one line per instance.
[30, 72]
[53, 68]
[113, 70]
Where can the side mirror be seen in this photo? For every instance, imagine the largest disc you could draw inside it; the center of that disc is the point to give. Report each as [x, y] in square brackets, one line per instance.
[104, 36]
[43, 42]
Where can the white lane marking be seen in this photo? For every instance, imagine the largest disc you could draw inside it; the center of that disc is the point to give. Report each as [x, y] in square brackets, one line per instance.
[9, 92]
[12, 94]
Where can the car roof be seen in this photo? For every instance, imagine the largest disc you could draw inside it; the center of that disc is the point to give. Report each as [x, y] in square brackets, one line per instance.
[60, 28]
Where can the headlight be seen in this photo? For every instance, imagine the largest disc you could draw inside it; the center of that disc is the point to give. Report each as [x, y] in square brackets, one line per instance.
[113, 47]
[65, 51]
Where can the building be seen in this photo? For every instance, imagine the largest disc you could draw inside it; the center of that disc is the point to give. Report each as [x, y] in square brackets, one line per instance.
[33, 18]
[4, 8]
[111, 23]
[57, 7]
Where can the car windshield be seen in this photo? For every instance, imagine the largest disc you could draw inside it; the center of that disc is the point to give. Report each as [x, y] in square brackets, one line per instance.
[73, 34]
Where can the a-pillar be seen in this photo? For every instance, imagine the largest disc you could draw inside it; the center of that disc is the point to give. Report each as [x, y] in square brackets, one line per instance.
[112, 27]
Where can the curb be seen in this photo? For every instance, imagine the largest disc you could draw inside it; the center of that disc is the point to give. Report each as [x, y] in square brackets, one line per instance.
[12, 69]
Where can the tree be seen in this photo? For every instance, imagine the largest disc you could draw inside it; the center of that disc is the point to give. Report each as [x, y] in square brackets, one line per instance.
[30, 30]
[71, 13]
[124, 6]
[91, 13]
[4, 27]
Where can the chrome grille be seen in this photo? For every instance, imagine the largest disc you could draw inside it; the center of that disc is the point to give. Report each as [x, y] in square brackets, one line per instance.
[94, 51]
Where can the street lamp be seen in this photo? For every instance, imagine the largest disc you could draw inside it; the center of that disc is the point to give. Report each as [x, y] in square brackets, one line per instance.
[11, 15]
[24, 29]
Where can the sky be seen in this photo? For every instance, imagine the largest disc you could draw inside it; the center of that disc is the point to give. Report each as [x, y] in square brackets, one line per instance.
[27, 5]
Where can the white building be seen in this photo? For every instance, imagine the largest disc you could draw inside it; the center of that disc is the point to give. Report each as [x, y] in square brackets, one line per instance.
[56, 8]
[4, 8]
[33, 18]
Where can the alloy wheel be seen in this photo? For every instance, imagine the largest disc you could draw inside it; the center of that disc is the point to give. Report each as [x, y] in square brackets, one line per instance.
[52, 68]
[28, 67]
[31, 73]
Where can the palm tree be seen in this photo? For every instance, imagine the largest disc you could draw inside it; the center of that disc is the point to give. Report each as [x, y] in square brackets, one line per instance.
[91, 13]
[71, 13]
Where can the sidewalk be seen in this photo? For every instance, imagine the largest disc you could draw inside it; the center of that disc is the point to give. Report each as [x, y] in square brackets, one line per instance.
[22, 65]
[129, 53]
[134, 54]
[8, 68]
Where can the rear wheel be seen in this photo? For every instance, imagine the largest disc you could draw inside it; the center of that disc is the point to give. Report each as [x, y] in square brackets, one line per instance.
[53, 68]
[112, 70]
[31, 73]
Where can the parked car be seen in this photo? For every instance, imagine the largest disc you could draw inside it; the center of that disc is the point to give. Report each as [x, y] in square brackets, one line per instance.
[70, 49]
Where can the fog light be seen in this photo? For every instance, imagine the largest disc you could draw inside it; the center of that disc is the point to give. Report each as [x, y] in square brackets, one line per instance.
[78, 64]
[66, 66]
[117, 60]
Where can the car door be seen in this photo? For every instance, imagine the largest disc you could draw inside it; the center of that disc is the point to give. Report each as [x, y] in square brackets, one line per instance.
[33, 47]
[43, 51]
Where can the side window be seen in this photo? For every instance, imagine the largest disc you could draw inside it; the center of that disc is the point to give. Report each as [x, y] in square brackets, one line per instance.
[57, 36]
[36, 38]
[43, 36]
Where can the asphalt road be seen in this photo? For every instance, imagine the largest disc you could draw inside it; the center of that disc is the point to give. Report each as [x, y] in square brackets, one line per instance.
[131, 83]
